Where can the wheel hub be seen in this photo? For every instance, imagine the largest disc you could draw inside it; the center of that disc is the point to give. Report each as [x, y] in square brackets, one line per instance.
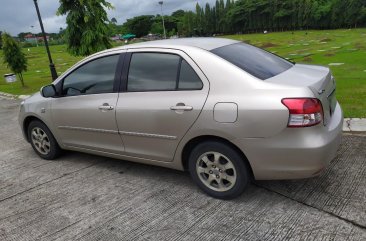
[215, 171]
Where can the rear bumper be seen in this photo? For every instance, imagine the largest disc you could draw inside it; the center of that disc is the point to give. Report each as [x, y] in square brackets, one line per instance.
[295, 153]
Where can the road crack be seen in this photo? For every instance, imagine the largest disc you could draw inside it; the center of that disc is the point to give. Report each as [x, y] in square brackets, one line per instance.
[60, 230]
[44, 183]
[313, 207]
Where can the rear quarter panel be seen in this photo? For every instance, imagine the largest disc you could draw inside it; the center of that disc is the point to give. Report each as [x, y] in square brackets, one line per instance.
[261, 113]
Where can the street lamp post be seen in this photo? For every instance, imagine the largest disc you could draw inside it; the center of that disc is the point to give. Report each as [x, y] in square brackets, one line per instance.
[52, 66]
[162, 16]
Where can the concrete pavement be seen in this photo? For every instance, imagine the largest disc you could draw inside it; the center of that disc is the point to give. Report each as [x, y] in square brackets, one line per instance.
[85, 197]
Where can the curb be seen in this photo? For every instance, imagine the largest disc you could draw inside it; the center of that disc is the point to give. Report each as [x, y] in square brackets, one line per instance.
[354, 125]
[14, 97]
[349, 124]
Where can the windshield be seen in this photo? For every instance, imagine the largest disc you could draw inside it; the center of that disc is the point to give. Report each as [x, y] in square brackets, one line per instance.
[253, 60]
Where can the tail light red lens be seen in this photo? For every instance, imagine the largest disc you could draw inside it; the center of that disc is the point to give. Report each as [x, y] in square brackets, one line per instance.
[304, 112]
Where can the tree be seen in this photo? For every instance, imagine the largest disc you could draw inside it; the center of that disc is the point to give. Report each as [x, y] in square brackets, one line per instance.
[186, 28]
[170, 22]
[157, 28]
[178, 14]
[1, 42]
[140, 26]
[13, 56]
[233, 16]
[113, 28]
[208, 20]
[87, 25]
[199, 21]
[354, 12]
[362, 17]
[114, 20]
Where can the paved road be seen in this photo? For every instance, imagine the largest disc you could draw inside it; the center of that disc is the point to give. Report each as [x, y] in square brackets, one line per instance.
[85, 197]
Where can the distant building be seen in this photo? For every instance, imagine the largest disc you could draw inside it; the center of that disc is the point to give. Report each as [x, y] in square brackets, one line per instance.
[30, 38]
[115, 38]
[151, 37]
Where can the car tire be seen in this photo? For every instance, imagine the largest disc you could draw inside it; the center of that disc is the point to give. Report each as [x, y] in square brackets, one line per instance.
[219, 170]
[42, 141]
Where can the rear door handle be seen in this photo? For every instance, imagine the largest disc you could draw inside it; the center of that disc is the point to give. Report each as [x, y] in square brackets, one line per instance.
[181, 107]
[106, 107]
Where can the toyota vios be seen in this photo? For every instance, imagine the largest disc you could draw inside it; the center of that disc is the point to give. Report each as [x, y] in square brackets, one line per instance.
[224, 110]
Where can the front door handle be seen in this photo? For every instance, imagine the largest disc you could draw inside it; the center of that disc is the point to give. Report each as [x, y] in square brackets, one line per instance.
[106, 106]
[181, 107]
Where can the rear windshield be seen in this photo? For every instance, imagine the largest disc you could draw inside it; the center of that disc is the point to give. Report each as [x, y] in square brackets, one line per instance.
[253, 60]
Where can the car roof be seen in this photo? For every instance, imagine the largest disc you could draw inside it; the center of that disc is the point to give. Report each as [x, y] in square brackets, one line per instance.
[202, 43]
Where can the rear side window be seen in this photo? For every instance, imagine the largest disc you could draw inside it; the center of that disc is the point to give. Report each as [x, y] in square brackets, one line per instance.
[161, 72]
[253, 60]
[152, 71]
[188, 79]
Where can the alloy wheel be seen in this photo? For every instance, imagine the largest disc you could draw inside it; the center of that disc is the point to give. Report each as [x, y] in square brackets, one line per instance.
[40, 141]
[216, 171]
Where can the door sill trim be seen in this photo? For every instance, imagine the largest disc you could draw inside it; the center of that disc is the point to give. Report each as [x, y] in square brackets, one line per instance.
[87, 129]
[120, 156]
[147, 135]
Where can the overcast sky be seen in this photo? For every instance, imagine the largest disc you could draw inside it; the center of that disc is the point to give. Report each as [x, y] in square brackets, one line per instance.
[19, 15]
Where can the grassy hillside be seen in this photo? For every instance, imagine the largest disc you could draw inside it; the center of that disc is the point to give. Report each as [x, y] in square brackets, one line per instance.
[38, 73]
[344, 51]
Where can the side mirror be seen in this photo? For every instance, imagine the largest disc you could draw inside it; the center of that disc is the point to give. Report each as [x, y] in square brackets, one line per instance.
[48, 91]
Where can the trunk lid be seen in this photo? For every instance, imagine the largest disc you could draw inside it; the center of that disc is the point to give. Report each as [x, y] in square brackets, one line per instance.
[319, 79]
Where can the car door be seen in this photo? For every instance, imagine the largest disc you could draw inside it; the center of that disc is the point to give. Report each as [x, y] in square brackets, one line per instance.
[163, 95]
[84, 114]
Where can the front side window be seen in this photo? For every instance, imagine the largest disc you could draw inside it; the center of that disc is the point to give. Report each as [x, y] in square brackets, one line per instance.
[161, 72]
[94, 77]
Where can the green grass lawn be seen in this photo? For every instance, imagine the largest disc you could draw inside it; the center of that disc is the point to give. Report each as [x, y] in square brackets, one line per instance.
[38, 73]
[345, 47]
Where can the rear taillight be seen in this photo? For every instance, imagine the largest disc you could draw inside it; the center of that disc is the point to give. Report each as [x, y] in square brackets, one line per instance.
[304, 112]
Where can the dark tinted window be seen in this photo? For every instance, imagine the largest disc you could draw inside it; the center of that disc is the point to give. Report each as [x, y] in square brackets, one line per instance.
[153, 71]
[94, 77]
[253, 60]
[188, 79]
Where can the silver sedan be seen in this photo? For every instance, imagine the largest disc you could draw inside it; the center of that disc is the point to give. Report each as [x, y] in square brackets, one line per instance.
[224, 110]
